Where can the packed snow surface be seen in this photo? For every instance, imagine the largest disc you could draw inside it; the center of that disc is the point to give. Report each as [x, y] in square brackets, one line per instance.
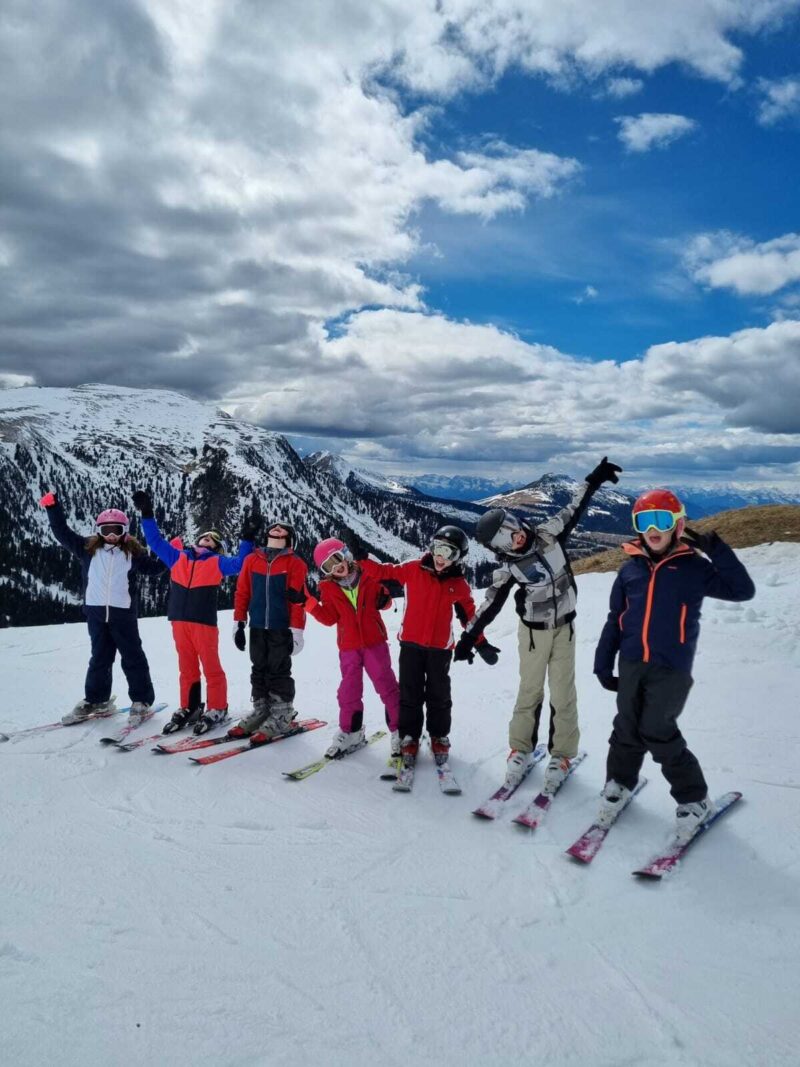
[158, 912]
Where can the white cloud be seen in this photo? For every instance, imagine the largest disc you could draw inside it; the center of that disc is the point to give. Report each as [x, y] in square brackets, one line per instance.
[780, 99]
[619, 88]
[725, 260]
[588, 293]
[476, 393]
[640, 133]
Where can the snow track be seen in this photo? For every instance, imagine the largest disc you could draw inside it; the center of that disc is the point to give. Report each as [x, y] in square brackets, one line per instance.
[154, 913]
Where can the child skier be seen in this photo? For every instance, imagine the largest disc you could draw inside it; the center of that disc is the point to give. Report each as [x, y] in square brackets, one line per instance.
[270, 589]
[109, 560]
[654, 623]
[196, 574]
[534, 561]
[352, 601]
[435, 587]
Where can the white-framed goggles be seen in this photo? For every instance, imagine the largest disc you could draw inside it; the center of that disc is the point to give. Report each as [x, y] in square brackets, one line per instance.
[445, 550]
[334, 559]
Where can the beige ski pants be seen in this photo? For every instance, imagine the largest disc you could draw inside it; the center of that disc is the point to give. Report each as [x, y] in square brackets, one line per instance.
[553, 656]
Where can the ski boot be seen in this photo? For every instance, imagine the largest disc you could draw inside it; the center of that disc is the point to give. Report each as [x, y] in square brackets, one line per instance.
[345, 742]
[612, 800]
[440, 747]
[394, 744]
[690, 817]
[246, 726]
[516, 766]
[85, 709]
[409, 750]
[280, 719]
[211, 718]
[139, 713]
[555, 773]
[183, 717]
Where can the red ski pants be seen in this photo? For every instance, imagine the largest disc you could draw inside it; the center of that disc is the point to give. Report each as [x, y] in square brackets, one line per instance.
[197, 646]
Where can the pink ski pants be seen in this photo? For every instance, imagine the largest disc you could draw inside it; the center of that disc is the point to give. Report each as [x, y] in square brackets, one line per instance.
[377, 662]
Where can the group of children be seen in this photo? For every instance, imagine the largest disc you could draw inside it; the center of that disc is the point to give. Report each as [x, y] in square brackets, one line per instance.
[652, 626]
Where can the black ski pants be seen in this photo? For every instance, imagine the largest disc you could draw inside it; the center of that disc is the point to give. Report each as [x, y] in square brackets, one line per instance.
[424, 683]
[117, 633]
[649, 701]
[271, 664]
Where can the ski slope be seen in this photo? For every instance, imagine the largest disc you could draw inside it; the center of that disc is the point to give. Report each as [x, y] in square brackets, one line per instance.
[154, 912]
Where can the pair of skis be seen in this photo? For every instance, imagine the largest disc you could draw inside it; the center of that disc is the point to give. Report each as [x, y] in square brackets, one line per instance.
[120, 739]
[403, 774]
[591, 841]
[192, 744]
[32, 731]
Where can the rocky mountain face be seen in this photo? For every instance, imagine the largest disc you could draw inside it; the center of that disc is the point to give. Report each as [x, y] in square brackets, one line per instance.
[96, 444]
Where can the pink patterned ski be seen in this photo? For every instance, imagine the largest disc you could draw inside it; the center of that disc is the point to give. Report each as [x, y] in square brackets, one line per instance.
[492, 807]
[589, 844]
[669, 860]
[532, 816]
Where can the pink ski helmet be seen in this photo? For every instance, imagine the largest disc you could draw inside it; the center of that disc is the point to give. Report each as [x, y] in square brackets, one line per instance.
[325, 549]
[113, 517]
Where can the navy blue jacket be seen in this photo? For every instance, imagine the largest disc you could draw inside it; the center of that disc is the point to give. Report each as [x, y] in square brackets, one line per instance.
[655, 606]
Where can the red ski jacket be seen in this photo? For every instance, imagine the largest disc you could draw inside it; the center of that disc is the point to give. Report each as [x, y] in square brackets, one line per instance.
[359, 627]
[431, 599]
[261, 590]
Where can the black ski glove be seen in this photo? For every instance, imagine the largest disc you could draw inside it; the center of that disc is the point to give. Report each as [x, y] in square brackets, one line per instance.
[488, 653]
[464, 649]
[295, 596]
[249, 529]
[383, 599]
[705, 542]
[143, 503]
[239, 636]
[603, 472]
[609, 682]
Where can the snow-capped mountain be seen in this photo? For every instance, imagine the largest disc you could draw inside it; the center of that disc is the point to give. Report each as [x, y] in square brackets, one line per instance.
[708, 500]
[456, 487]
[96, 444]
[341, 469]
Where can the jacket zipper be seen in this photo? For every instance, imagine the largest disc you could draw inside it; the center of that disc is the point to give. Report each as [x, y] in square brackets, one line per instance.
[683, 624]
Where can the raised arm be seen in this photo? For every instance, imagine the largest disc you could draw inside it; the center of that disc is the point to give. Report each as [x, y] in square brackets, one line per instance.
[66, 537]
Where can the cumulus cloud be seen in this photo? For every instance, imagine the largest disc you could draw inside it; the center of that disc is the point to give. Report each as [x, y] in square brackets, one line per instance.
[619, 88]
[640, 133]
[194, 189]
[725, 260]
[780, 99]
[395, 385]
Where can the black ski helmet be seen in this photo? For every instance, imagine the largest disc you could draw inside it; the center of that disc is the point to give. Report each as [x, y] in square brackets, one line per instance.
[454, 536]
[489, 524]
[290, 540]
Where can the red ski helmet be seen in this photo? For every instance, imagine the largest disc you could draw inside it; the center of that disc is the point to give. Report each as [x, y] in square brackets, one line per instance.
[659, 508]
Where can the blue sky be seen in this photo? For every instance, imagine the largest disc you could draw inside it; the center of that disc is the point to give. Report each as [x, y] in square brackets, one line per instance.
[433, 235]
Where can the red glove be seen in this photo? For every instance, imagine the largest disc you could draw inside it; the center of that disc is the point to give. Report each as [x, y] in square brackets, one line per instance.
[48, 500]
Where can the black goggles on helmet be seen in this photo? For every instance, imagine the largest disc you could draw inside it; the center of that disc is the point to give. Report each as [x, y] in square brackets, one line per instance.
[109, 528]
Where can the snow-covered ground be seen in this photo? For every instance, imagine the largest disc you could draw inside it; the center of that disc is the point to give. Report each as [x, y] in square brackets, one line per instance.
[154, 912]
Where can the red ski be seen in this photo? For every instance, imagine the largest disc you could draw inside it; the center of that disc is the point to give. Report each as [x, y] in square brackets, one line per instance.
[301, 727]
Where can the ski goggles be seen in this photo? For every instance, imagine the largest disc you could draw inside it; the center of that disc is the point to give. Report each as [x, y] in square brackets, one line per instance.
[663, 521]
[109, 528]
[502, 541]
[444, 550]
[333, 560]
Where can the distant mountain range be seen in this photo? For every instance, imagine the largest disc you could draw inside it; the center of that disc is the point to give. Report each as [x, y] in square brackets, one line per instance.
[700, 500]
